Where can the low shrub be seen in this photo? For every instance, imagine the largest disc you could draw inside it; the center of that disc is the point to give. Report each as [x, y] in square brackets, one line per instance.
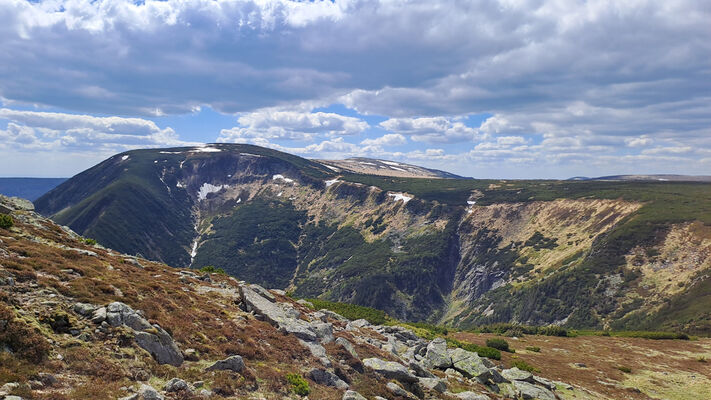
[524, 366]
[6, 221]
[624, 369]
[352, 311]
[26, 342]
[534, 349]
[211, 269]
[90, 242]
[482, 351]
[499, 344]
[298, 384]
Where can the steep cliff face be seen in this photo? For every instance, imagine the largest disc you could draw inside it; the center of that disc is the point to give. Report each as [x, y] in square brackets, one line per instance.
[458, 251]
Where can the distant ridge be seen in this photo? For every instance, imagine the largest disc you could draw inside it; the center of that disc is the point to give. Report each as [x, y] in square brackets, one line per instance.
[656, 177]
[372, 166]
[28, 188]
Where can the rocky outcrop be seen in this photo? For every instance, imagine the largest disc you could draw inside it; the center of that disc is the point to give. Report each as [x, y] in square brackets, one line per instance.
[233, 363]
[390, 370]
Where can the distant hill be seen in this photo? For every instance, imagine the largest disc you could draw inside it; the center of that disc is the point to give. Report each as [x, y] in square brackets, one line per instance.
[28, 188]
[372, 166]
[657, 177]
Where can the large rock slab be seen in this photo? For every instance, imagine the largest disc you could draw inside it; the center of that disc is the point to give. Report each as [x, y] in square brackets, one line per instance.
[161, 346]
[352, 395]
[529, 391]
[515, 374]
[277, 315]
[390, 370]
[469, 364]
[435, 384]
[437, 355]
[471, 396]
[323, 377]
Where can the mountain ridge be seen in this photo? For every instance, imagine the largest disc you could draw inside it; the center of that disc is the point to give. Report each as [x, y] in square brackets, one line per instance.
[457, 251]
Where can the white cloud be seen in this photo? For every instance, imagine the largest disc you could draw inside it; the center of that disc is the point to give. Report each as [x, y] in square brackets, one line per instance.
[431, 129]
[43, 131]
[292, 125]
[390, 139]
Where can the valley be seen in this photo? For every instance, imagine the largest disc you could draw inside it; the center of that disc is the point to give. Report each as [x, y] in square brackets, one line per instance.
[458, 252]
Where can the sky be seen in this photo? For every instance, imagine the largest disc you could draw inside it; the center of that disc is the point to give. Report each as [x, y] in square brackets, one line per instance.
[481, 88]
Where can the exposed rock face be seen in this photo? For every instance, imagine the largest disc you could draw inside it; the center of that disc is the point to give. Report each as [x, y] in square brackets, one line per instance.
[149, 393]
[515, 374]
[469, 364]
[233, 363]
[326, 378]
[352, 395]
[437, 356]
[275, 314]
[161, 346]
[390, 370]
[530, 391]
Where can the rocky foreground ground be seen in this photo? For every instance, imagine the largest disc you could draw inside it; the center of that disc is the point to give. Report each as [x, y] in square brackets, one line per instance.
[80, 321]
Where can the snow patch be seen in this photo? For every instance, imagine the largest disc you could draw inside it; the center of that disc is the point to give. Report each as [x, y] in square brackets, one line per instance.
[155, 162]
[280, 193]
[206, 149]
[180, 185]
[249, 154]
[332, 168]
[471, 203]
[208, 188]
[397, 169]
[124, 158]
[280, 176]
[170, 152]
[400, 196]
[331, 182]
[239, 200]
[391, 163]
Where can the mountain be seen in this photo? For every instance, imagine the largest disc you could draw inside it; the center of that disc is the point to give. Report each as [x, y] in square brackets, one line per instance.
[81, 321]
[28, 188]
[371, 166]
[463, 252]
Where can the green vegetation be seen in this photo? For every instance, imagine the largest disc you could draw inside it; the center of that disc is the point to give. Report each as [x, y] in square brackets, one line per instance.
[298, 384]
[6, 221]
[701, 359]
[487, 352]
[637, 334]
[351, 311]
[90, 242]
[534, 349]
[25, 341]
[524, 366]
[255, 242]
[211, 269]
[538, 242]
[499, 344]
[624, 369]
[518, 330]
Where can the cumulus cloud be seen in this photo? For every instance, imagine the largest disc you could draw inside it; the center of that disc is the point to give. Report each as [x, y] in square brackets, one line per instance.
[46, 131]
[390, 139]
[431, 129]
[292, 125]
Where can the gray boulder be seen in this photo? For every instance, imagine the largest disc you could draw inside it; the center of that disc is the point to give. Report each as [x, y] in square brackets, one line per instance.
[333, 315]
[471, 396]
[390, 370]
[323, 377]
[99, 315]
[395, 389]
[148, 393]
[469, 364]
[161, 346]
[529, 391]
[263, 292]
[515, 374]
[437, 356]
[420, 370]
[84, 309]
[359, 323]
[435, 384]
[352, 395]
[118, 313]
[317, 351]
[324, 331]
[233, 363]
[176, 385]
[347, 345]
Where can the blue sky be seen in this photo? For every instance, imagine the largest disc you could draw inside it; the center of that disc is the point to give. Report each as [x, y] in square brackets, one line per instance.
[483, 88]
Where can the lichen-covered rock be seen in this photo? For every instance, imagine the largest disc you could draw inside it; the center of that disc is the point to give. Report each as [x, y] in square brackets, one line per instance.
[471, 396]
[515, 374]
[348, 346]
[276, 315]
[435, 384]
[437, 356]
[390, 370]
[352, 395]
[84, 309]
[529, 391]
[469, 364]
[149, 393]
[176, 385]
[420, 370]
